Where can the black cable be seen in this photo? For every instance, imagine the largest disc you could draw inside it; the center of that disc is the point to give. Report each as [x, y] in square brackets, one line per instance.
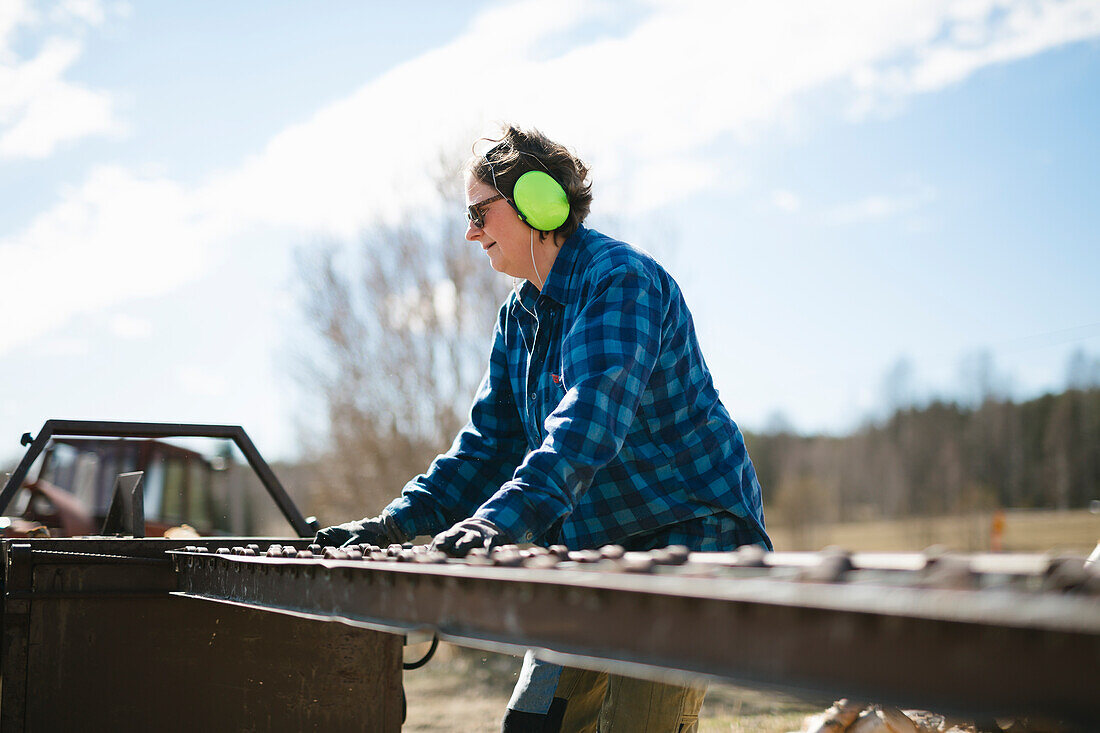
[423, 660]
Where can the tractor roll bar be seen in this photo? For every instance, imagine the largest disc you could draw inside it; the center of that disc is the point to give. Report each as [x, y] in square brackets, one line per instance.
[113, 429]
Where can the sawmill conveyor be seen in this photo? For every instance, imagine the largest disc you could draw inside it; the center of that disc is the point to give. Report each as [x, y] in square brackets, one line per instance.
[259, 634]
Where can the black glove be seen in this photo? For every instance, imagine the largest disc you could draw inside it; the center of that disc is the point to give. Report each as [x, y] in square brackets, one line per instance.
[380, 531]
[468, 534]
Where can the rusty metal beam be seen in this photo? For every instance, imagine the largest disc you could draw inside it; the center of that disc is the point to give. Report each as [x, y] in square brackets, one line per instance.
[1016, 646]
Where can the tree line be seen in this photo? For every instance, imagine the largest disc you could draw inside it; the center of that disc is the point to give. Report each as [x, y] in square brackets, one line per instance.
[941, 458]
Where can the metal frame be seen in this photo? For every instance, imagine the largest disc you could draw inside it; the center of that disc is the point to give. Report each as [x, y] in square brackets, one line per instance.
[93, 623]
[971, 652]
[112, 429]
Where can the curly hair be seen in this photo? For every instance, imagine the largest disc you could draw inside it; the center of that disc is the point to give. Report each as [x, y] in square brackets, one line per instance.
[518, 151]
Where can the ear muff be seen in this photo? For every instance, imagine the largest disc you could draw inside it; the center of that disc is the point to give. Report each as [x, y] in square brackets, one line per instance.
[541, 201]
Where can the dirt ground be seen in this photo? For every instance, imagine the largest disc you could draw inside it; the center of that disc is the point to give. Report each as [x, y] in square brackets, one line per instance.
[464, 691]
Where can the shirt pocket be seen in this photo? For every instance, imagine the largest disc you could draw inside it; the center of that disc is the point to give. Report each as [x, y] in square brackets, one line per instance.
[551, 394]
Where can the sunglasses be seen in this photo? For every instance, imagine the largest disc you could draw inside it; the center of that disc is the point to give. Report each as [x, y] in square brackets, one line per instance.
[475, 213]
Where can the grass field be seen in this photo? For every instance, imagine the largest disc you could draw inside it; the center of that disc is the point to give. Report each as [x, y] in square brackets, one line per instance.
[1075, 532]
[463, 691]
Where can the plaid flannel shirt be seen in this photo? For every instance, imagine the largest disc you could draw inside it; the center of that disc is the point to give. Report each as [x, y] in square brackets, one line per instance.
[597, 420]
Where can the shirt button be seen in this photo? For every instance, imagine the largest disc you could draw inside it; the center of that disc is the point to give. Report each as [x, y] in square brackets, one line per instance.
[532, 397]
[529, 536]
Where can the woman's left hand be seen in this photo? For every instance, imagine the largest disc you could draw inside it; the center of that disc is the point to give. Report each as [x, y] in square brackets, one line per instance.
[469, 534]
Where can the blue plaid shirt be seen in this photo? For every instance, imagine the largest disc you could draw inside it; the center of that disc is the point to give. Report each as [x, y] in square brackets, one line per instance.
[597, 420]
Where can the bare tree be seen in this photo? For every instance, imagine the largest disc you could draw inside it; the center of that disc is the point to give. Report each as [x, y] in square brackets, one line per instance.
[1082, 372]
[402, 325]
[897, 385]
[980, 379]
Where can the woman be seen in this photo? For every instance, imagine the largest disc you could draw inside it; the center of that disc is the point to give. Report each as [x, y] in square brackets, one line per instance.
[597, 422]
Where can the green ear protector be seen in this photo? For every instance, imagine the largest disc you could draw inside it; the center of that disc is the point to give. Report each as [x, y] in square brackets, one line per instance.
[539, 200]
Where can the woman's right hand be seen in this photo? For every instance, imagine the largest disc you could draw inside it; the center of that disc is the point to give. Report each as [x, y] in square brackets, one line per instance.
[380, 531]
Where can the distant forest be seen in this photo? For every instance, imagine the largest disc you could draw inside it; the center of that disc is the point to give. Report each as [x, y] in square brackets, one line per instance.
[940, 458]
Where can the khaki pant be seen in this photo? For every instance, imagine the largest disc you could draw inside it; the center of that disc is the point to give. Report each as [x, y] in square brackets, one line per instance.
[553, 699]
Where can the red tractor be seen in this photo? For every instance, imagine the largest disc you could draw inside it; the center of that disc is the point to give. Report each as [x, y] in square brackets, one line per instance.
[71, 474]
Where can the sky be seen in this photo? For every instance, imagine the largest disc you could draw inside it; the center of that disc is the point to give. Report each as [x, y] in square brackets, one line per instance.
[838, 187]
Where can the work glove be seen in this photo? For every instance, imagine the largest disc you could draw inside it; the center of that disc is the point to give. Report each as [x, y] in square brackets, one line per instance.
[381, 531]
[468, 534]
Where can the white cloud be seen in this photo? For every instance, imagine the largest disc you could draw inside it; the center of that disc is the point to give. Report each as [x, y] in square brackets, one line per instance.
[116, 237]
[129, 327]
[200, 382]
[13, 14]
[1024, 30]
[40, 109]
[786, 201]
[977, 34]
[879, 206]
[647, 106]
[64, 347]
[91, 12]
